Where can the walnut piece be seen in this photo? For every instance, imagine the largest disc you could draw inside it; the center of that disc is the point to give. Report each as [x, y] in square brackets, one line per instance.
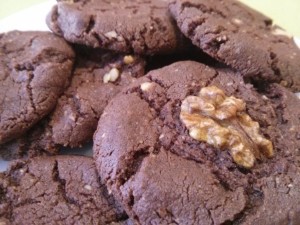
[146, 86]
[128, 59]
[222, 122]
[111, 34]
[111, 76]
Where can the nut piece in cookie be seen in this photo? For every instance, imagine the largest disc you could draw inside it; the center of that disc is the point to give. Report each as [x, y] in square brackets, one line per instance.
[98, 76]
[221, 121]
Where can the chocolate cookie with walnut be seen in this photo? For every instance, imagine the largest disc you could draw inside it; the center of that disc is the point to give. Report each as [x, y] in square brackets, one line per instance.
[164, 172]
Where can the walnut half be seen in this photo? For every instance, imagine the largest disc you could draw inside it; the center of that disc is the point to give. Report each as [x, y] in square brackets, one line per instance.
[222, 122]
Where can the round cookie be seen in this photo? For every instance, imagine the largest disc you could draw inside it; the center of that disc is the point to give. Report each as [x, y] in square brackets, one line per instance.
[97, 77]
[132, 26]
[161, 174]
[34, 70]
[241, 38]
[56, 190]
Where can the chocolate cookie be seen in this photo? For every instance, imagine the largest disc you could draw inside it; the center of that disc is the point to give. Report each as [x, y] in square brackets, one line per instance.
[188, 144]
[35, 142]
[132, 26]
[97, 78]
[242, 38]
[34, 70]
[56, 190]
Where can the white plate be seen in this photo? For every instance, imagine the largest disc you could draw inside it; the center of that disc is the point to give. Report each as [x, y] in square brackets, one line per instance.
[33, 18]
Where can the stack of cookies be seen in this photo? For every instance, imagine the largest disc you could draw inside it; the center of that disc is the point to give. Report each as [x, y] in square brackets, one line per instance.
[191, 107]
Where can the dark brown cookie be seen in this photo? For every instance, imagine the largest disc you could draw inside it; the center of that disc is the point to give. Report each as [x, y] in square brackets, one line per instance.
[241, 38]
[56, 190]
[35, 142]
[34, 70]
[132, 26]
[96, 79]
[150, 161]
[98, 76]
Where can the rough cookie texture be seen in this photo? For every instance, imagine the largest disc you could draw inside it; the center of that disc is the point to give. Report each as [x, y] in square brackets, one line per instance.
[161, 175]
[36, 142]
[56, 190]
[240, 37]
[139, 26]
[97, 77]
[34, 70]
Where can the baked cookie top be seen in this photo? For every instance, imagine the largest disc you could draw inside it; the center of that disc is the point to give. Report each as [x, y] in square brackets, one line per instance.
[34, 70]
[55, 190]
[132, 26]
[241, 38]
[98, 76]
[37, 141]
[190, 144]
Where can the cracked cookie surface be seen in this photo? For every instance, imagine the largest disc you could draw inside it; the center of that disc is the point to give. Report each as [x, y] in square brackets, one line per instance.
[74, 120]
[134, 26]
[34, 70]
[161, 175]
[37, 141]
[241, 38]
[55, 190]
[97, 77]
